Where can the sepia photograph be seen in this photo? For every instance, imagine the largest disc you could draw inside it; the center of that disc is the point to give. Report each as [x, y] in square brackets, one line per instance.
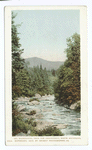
[45, 73]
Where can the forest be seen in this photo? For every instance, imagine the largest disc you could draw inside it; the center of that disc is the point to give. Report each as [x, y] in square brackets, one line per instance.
[27, 81]
[67, 86]
[64, 82]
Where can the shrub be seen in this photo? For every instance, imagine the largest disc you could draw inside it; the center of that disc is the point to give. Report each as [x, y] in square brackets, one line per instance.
[41, 93]
[32, 112]
[18, 125]
[16, 91]
[76, 132]
[32, 123]
[49, 131]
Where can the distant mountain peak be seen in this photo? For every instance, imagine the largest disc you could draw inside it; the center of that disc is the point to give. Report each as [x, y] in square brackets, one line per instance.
[35, 61]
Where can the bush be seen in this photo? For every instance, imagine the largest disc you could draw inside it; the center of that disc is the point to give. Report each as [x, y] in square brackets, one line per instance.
[49, 131]
[18, 125]
[41, 93]
[16, 91]
[78, 133]
[32, 123]
[32, 112]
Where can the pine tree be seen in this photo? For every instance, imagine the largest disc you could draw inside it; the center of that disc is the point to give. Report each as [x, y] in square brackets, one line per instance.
[17, 61]
[67, 87]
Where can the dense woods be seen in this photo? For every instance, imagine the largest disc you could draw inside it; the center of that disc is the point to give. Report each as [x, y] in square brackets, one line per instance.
[26, 81]
[67, 86]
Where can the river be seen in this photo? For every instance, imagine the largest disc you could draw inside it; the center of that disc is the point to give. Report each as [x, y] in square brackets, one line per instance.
[57, 114]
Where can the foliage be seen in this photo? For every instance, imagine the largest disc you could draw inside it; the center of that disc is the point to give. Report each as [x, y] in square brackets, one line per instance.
[33, 123]
[67, 86]
[18, 125]
[23, 80]
[17, 61]
[16, 91]
[40, 82]
[76, 132]
[53, 71]
[32, 112]
[49, 131]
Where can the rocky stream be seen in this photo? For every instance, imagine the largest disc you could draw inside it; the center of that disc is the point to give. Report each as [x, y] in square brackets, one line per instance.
[50, 113]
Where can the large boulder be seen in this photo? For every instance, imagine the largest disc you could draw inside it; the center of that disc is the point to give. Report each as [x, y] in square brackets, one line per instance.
[21, 108]
[33, 103]
[61, 126]
[36, 109]
[28, 132]
[23, 98]
[47, 110]
[21, 134]
[78, 119]
[43, 124]
[39, 116]
[56, 114]
[76, 106]
[37, 95]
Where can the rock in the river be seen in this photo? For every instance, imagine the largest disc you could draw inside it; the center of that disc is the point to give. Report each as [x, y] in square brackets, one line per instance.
[27, 116]
[43, 124]
[49, 106]
[21, 108]
[44, 104]
[53, 118]
[76, 105]
[61, 126]
[33, 103]
[29, 131]
[51, 103]
[47, 110]
[23, 99]
[44, 110]
[46, 99]
[78, 119]
[49, 95]
[56, 114]
[21, 134]
[33, 112]
[37, 95]
[35, 109]
[39, 116]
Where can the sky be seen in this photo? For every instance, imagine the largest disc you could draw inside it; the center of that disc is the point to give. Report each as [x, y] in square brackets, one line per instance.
[43, 33]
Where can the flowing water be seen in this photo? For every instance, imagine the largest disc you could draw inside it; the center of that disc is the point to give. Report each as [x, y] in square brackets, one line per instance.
[52, 112]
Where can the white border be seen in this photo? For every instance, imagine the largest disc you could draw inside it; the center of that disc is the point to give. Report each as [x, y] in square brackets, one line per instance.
[84, 94]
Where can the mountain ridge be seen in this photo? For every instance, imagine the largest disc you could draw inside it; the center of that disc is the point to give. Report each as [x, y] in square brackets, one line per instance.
[35, 61]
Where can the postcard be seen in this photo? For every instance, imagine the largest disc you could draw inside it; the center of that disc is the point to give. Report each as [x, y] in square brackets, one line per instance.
[46, 88]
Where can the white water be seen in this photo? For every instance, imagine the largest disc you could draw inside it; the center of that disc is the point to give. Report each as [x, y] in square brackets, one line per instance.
[52, 112]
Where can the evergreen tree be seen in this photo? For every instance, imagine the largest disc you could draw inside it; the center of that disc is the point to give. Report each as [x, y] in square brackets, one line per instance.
[67, 87]
[17, 61]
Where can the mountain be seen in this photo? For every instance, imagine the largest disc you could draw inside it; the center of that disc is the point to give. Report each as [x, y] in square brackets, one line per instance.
[35, 61]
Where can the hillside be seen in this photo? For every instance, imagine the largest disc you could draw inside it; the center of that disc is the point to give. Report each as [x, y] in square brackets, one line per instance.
[34, 61]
